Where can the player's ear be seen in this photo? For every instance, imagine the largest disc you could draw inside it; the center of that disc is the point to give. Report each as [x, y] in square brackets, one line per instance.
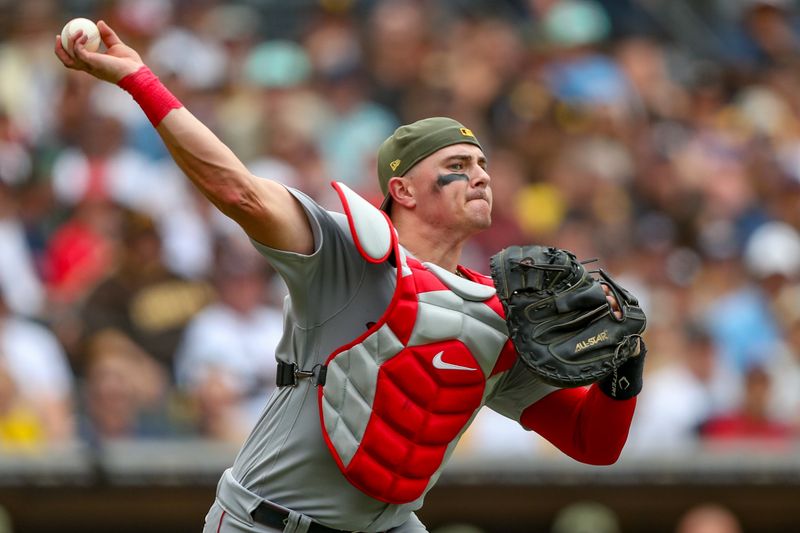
[402, 191]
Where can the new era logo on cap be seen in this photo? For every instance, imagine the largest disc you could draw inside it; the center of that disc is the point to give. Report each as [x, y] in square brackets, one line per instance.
[394, 164]
[466, 132]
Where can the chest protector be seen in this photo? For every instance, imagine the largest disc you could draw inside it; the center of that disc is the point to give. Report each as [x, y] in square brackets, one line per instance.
[397, 398]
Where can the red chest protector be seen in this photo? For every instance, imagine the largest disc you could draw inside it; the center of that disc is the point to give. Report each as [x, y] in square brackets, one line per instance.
[398, 397]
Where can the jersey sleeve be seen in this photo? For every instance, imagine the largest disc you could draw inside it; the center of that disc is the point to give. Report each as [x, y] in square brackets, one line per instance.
[517, 389]
[321, 282]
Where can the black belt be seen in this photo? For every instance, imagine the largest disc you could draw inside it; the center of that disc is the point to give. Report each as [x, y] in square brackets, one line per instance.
[271, 516]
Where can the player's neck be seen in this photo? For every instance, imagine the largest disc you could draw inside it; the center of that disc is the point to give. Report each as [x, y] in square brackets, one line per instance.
[432, 245]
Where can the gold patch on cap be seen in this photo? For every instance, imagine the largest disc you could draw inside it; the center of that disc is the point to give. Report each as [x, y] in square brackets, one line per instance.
[466, 132]
[394, 164]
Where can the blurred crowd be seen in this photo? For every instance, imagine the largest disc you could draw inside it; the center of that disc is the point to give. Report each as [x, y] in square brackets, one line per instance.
[661, 137]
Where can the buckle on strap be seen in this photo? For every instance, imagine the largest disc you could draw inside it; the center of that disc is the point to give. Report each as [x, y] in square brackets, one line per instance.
[289, 374]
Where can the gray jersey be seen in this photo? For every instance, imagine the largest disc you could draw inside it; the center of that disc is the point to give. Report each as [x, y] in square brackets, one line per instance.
[334, 295]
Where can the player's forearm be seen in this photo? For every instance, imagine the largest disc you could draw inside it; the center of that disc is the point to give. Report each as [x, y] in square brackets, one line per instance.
[586, 424]
[211, 166]
[205, 160]
[208, 162]
[264, 209]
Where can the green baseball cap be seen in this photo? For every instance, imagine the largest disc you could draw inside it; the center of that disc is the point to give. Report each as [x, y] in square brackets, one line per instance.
[410, 144]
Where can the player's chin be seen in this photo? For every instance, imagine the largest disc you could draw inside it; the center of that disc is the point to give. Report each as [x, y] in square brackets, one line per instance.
[481, 219]
[481, 210]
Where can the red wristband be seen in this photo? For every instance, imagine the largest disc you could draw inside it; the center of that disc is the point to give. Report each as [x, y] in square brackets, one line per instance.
[151, 95]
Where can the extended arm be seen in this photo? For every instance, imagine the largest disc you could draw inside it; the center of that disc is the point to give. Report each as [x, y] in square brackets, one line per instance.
[263, 208]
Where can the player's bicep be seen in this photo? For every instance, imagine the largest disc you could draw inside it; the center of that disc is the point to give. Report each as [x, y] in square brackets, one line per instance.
[275, 218]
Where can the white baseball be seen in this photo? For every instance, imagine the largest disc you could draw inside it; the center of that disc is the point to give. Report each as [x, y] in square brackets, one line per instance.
[89, 30]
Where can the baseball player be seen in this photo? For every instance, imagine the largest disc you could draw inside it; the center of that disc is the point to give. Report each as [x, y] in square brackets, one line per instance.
[390, 347]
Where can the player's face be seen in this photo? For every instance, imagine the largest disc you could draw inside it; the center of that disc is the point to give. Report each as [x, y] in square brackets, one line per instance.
[452, 188]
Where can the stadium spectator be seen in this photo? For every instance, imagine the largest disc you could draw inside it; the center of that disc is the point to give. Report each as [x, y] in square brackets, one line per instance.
[142, 298]
[124, 393]
[37, 375]
[692, 385]
[20, 426]
[750, 423]
[19, 277]
[708, 518]
[226, 361]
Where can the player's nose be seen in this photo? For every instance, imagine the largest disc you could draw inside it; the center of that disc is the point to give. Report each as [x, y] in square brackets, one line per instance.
[480, 178]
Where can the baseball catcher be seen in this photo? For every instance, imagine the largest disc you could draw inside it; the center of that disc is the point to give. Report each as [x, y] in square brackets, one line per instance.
[391, 347]
[559, 319]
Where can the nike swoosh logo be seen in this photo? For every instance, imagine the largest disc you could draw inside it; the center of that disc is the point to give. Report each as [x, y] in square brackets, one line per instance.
[441, 365]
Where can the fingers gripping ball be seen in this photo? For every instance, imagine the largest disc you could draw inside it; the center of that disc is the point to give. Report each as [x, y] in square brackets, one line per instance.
[89, 29]
[558, 316]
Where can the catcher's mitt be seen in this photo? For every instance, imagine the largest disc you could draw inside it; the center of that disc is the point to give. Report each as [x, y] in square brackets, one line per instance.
[558, 317]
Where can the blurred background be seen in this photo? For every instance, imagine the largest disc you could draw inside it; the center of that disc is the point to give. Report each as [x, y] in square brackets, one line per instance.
[137, 325]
